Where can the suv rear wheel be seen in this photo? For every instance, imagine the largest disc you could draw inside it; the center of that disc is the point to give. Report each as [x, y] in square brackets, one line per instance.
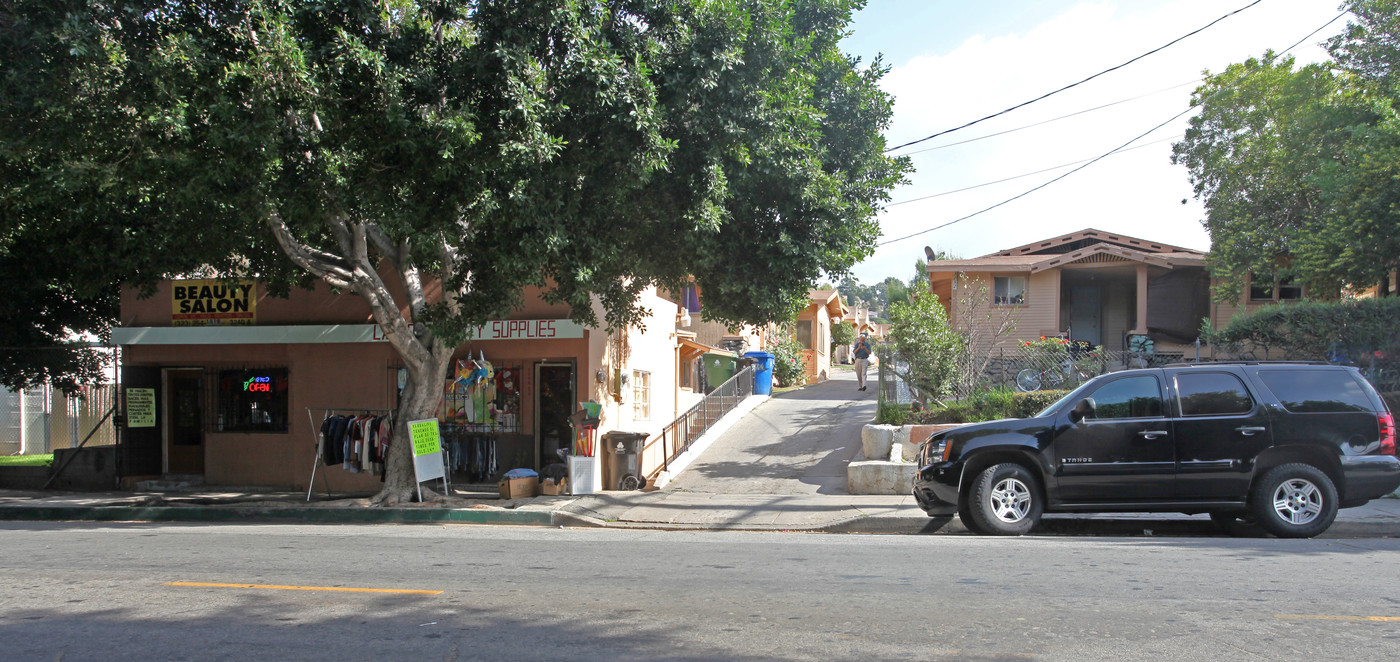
[1294, 501]
[1005, 500]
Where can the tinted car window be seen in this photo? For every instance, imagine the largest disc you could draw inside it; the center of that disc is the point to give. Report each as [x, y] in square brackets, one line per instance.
[1212, 394]
[1132, 397]
[1316, 390]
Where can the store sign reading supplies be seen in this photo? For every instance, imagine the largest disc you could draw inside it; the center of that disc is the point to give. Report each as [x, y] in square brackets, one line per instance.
[213, 303]
[427, 449]
[561, 329]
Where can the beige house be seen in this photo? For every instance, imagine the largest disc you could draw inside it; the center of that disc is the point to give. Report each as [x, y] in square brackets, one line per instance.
[1093, 286]
[814, 331]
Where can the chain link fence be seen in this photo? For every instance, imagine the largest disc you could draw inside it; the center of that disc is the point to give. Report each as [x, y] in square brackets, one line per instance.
[1026, 371]
[39, 420]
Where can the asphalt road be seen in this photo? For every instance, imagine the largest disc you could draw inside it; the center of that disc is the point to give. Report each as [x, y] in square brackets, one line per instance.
[82, 591]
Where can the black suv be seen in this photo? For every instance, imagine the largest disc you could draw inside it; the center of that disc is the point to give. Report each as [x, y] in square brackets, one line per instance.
[1277, 446]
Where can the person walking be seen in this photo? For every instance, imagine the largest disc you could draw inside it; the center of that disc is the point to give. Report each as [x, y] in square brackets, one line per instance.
[861, 350]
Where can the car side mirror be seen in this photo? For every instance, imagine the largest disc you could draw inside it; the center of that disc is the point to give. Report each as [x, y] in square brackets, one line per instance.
[1084, 409]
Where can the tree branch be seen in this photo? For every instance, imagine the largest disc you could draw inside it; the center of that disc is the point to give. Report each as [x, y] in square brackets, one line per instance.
[331, 268]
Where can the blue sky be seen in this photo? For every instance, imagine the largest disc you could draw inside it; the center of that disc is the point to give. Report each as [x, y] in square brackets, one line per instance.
[957, 61]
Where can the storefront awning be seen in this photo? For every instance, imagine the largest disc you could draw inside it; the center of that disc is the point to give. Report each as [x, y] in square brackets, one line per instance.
[551, 329]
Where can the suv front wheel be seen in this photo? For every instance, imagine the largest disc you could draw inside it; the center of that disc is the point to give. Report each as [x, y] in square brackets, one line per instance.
[1005, 500]
[1294, 501]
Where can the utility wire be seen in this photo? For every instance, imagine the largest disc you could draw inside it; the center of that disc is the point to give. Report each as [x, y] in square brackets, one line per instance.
[1119, 148]
[1049, 94]
[1054, 119]
[1028, 174]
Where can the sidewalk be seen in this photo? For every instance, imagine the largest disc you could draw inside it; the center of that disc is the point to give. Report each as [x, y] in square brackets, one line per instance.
[662, 510]
[781, 467]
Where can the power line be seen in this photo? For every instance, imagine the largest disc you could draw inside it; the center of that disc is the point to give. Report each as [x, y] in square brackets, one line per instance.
[1053, 119]
[1110, 152]
[1049, 94]
[1028, 174]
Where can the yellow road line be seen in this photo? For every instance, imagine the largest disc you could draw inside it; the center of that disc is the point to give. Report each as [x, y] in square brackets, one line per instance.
[307, 588]
[1325, 617]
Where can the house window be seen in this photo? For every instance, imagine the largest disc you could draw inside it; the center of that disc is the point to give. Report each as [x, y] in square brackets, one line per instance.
[1009, 290]
[1280, 289]
[252, 400]
[641, 395]
[804, 333]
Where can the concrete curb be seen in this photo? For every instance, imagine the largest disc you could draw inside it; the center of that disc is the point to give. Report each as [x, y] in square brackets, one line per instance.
[880, 524]
[284, 515]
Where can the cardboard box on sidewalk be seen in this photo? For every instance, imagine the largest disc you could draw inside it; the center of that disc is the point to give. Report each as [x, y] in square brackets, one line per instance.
[550, 488]
[519, 488]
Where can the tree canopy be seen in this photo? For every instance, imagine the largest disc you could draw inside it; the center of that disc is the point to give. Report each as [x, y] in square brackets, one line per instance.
[1297, 167]
[590, 148]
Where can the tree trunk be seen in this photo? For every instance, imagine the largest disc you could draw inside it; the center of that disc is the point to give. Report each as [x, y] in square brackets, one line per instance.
[422, 395]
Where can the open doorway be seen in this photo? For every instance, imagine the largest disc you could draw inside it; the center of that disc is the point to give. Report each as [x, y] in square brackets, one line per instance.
[554, 402]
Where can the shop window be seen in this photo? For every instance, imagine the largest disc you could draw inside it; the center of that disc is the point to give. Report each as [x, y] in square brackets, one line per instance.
[1009, 290]
[804, 333]
[252, 400]
[641, 395]
[484, 395]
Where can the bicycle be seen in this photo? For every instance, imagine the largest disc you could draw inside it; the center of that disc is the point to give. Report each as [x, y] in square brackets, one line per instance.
[1030, 379]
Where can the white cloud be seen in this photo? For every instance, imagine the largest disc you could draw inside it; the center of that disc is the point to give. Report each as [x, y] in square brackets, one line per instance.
[1137, 192]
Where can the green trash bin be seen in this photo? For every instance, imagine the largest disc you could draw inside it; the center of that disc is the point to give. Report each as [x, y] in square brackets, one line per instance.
[719, 368]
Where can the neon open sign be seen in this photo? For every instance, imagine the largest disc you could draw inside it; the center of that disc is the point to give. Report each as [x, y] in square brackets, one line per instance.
[258, 384]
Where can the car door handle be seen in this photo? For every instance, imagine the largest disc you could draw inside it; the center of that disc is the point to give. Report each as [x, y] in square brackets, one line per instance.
[1249, 430]
[1152, 434]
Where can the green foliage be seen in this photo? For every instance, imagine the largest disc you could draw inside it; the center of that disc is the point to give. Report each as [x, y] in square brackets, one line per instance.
[927, 345]
[842, 333]
[591, 149]
[1302, 162]
[991, 405]
[1358, 331]
[788, 367]
[892, 413]
[43, 460]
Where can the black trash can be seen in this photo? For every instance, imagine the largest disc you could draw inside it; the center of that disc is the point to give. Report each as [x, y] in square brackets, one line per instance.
[622, 468]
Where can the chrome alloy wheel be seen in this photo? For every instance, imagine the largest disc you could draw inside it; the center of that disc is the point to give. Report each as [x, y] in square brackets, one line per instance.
[1011, 500]
[1298, 501]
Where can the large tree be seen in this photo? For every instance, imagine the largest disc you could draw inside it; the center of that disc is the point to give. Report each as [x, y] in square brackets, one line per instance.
[1297, 166]
[590, 148]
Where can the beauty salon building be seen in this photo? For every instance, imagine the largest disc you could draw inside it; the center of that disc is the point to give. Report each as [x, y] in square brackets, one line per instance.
[221, 380]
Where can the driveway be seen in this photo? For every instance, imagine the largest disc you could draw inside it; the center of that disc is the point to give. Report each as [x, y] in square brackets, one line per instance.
[798, 442]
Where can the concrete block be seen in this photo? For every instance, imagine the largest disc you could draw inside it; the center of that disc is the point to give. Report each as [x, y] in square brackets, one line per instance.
[880, 477]
[875, 440]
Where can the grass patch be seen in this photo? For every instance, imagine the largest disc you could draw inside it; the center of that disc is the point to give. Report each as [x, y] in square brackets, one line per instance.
[26, 460]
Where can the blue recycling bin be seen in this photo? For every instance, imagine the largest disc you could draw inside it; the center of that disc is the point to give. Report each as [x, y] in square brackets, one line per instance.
[762, 371]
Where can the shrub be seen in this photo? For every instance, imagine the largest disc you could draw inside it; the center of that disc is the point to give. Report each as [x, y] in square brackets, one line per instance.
[927, 344]
[788, 367]
[1358, 331]
[891, 413]
[991, 405]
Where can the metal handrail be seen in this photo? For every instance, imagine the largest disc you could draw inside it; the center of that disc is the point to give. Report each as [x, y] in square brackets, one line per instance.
[681, 433]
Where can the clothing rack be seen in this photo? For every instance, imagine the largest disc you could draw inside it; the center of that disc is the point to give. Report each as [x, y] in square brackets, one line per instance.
[316, 432]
